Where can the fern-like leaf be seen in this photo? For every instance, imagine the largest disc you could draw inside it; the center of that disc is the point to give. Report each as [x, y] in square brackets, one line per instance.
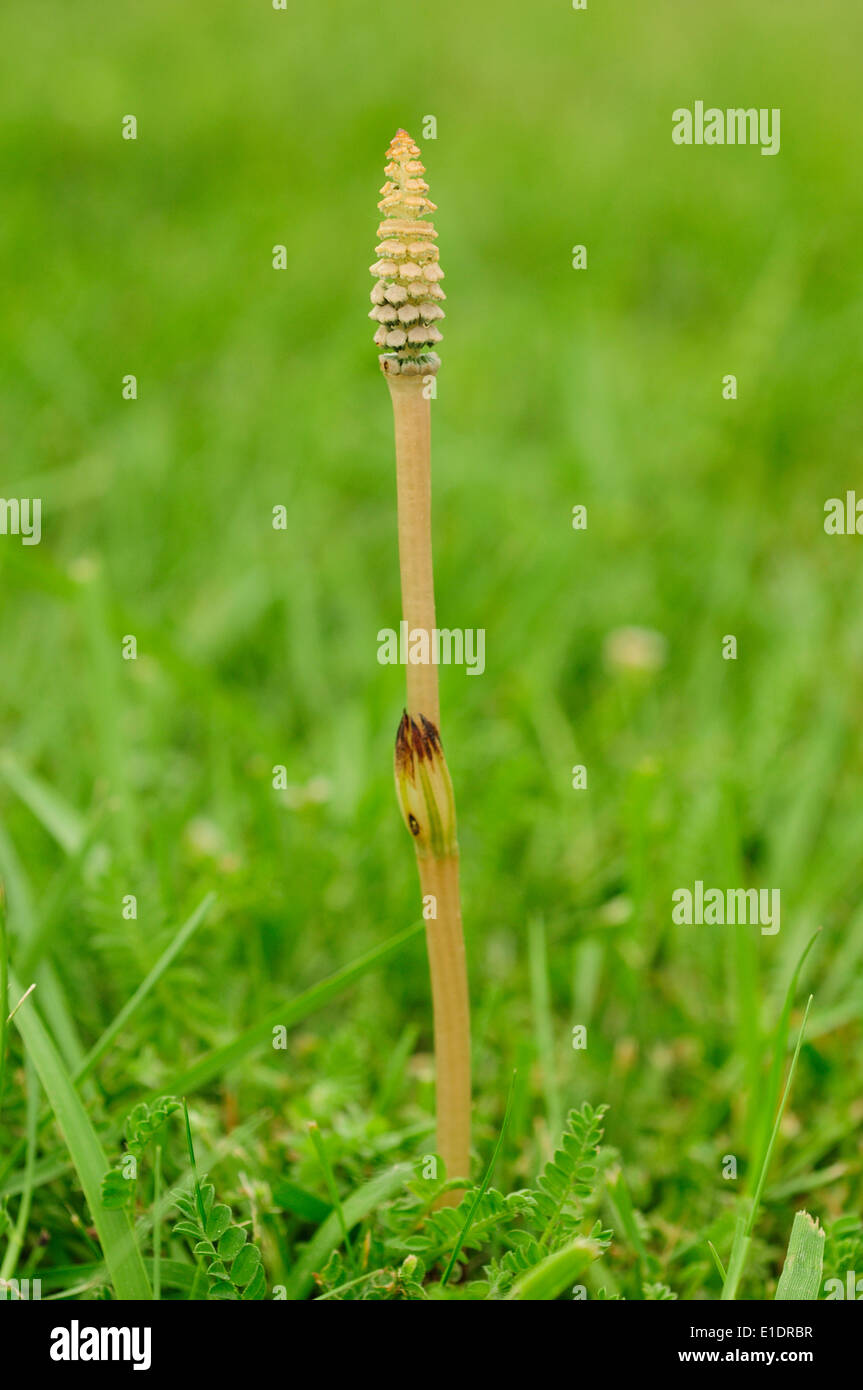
[568, 1178]
[527, 1252]
[440, 1230]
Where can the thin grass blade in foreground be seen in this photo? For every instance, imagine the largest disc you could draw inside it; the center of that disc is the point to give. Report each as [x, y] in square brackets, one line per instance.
[19, 1230]
[770, 1097]
[122, 1256]
[746, 1220]
[406, 300]
[329, 1236]
[213, 1064]
[82, 1070]
[21, 901]
[186, 932]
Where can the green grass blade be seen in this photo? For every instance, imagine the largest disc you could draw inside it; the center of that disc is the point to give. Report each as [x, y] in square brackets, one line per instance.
[481, 1191]
[762, 1176]
[46, 1170]
[114, 1229]
[287, 1196]
[69, 1281]
[743, 1234]
[16, 884]
[186, 932]
[54, 814]
[214, 1063]
[329, 1178]
[543, 1022]
[23, 924]
[556, 1272]
[737, 1259]
[55, 904]
[329, 1236]
[716, 1260]
[801, 1273]
[620, 1201]
[82, 1069]
[780, 1043]
[16, 1239]
[199, 1196]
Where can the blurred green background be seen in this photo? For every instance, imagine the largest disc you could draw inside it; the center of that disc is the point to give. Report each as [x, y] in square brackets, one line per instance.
[257, 647]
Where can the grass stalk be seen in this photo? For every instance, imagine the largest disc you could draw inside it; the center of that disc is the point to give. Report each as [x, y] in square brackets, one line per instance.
[122, 1256]
[19, 1231]
[328, 1237]
[543, 1024]
[330, 1180]
[746, 1219]
[406, 301]
[188, 929]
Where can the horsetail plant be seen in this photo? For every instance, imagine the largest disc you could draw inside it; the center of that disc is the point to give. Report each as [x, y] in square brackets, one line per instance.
[407, 308]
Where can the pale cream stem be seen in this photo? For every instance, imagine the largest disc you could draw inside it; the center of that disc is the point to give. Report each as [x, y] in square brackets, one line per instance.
[412, 413]
[448, 971]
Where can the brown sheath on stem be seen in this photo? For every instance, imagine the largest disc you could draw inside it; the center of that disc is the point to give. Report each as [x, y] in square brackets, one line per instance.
[425, 794]
[406, 301]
